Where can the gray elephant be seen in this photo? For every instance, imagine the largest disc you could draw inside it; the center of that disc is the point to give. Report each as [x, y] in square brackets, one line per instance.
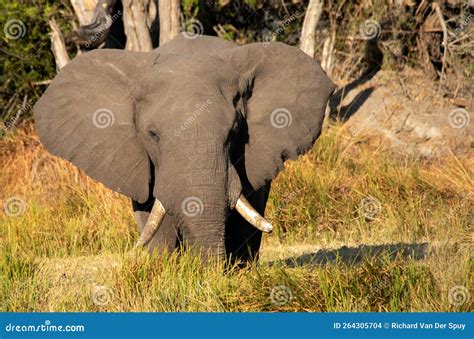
[193, 133]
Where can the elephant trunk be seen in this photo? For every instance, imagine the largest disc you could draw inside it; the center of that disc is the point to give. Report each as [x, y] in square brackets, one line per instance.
[203, 213]
[201, 197]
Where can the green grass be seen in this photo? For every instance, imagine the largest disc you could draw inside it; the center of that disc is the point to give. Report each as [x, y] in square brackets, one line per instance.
[72, 247]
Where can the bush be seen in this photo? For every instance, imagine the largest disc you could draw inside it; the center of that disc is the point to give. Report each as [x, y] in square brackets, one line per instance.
[27, 57]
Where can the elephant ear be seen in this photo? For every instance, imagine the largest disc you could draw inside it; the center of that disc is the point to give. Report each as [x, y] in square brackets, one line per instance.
[285, 96]
[87, 116]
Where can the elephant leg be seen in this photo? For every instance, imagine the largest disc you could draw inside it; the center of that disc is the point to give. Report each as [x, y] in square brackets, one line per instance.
[242, 239]
[166, 238]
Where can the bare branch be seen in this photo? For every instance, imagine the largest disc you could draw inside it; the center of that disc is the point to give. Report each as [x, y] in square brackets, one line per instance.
[58, 45]
[135, 25]
[445, 39]
[169, 12]
[308, 32]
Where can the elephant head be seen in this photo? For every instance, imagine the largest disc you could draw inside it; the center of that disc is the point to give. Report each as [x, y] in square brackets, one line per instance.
[197, 124]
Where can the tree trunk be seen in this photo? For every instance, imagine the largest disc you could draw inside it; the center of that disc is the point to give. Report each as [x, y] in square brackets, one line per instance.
[169, 12]
[57, 45]
[327, 59]
[308, 32]
[84, 10]
[135, 25]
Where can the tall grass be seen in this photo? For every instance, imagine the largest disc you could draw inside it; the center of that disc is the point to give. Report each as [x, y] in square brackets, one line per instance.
[357, 228]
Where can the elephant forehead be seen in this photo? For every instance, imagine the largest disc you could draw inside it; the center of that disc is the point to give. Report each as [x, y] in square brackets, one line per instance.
[207, 111]
[198, 65]
[191, 106]
[172, 85]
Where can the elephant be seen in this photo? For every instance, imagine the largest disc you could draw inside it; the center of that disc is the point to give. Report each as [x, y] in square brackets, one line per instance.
[193, 132]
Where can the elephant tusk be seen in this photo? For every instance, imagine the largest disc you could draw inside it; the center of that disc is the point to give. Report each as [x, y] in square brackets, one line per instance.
[249, 213]
[156, 217]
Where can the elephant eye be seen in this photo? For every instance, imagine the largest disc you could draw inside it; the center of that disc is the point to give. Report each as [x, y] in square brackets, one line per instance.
[154, 135]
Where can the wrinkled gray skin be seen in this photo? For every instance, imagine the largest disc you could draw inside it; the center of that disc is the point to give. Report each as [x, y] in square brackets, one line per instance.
[196, 121]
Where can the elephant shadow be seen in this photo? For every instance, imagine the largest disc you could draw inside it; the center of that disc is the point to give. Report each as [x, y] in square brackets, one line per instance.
[374, 59]
[354, 255]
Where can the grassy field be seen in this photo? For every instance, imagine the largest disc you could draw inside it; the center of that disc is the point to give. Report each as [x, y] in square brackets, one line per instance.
[358, 228]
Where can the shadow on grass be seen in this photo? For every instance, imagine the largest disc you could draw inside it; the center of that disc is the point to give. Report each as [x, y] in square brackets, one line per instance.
[354, 255]
[374, 59]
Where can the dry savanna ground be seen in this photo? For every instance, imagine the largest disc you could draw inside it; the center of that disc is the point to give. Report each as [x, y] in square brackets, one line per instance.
[358, 228]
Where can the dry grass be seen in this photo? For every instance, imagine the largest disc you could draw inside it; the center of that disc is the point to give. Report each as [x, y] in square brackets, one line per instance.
[72, 247]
